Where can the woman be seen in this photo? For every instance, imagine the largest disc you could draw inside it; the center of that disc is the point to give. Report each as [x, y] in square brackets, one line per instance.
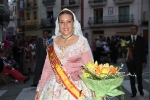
[16, 52]
[7, 68]
[26, 58]
[10, 60]
[32, 50]
[72, 50]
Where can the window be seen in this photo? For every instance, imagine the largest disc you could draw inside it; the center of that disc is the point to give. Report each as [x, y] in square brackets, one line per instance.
[72, 1]
[21, 4]
[28, 16]
[124, 14]
[28, 3]
[35, 2]
[35, 15]
[20, 22]
[98, 16]
[14, 8]
[110, 10]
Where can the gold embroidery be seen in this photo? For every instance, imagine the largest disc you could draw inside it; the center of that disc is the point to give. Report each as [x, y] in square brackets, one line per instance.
[62, 52]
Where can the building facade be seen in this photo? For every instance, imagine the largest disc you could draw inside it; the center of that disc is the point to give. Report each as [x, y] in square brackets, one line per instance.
[20, 17]
[40, 15]
[4, 18]
[12, 26]
[97, 17]
[114, 17]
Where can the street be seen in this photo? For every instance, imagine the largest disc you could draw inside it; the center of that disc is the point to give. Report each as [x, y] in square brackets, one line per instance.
[21, 91]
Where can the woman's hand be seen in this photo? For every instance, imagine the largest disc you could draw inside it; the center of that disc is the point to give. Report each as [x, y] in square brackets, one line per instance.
[37, 95]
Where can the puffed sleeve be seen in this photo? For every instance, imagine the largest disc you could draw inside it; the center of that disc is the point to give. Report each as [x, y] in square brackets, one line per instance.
[86, 52]
[47, 73]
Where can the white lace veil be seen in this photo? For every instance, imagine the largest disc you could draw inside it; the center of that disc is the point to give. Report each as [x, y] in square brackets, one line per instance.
[77, 26]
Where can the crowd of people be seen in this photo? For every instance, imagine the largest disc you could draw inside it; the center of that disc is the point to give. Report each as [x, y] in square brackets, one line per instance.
[110, 49]
[17, 57]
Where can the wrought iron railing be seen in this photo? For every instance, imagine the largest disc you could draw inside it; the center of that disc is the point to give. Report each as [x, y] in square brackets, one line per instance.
[111, 19]
[48, 1]
[97, 1]
[122, 1]
[70, 2]
[45, 22]
[30, 22]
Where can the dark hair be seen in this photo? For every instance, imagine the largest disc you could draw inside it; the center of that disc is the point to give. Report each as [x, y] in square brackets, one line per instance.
[32, 40]
[45, 31]
[66, 12]
[135, 26]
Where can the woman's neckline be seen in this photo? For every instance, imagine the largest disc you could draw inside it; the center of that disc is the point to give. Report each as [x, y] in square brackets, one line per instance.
[67, 46]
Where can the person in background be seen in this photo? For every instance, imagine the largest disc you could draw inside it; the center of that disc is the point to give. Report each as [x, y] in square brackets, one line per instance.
[40, 56]
[7, 44]
[9, 59]
[26, 58]
[106, 52]
[114, 49]
[32, 48]
[7, 68]
[94, 48]
[138, 61]
[99, 46]
[16, 52]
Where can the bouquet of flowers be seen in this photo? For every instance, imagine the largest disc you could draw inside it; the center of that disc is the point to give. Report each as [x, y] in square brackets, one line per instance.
[129, 47]
[103, 79]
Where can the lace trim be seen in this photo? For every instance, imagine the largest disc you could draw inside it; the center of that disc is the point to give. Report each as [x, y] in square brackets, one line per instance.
[75, 49]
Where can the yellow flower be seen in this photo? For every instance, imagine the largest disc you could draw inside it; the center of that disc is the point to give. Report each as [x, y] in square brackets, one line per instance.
[106, 65]
[85, 74]
[104, 72]
[89, 64]
[123, 43]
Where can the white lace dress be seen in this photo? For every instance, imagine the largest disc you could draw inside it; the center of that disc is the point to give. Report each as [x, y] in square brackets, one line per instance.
[74, 56]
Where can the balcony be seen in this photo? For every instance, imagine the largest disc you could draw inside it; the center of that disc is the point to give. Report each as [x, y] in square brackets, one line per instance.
[30, 22]
[70, 3]
[49, 2]
[111, 21]
[94, 3]
[145, 18]
[4, 12]
[117, 2]
[48, 22]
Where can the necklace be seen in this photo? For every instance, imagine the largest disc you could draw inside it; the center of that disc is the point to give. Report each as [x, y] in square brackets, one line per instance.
[65, 39]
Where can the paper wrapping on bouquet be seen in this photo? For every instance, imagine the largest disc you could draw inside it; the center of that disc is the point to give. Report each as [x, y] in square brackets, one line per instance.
[102, 88]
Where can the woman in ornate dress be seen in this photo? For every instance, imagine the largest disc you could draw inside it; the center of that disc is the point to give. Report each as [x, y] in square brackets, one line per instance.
[66, 54]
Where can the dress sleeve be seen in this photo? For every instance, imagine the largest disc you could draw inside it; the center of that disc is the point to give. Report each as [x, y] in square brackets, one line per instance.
[86, 52]
[47, 73]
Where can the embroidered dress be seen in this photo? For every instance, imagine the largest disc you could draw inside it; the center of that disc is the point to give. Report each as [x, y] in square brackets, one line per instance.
[71, 58]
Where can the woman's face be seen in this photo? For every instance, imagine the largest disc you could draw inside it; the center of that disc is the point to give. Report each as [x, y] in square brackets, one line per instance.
[66, 24]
